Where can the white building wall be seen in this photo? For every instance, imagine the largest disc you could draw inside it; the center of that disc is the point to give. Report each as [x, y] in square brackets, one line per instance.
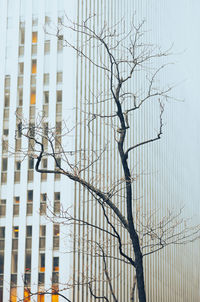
[171, 165]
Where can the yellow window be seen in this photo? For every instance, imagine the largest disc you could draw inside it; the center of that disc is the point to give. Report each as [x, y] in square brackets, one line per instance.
[41, 298]
[55, 298]
[13, 295]
[33, 97]
[34, 37]
[26, 296]
[34, 67]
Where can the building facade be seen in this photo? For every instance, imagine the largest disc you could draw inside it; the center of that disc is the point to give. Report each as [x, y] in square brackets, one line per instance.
[39, 74]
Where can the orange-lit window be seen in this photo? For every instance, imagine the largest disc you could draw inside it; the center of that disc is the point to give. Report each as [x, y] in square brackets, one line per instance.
[34, 37]
[34, 66]
[33, 97]
[26, 296]
[55, 296]
[13, 294]
[16, 199]
[40, 297]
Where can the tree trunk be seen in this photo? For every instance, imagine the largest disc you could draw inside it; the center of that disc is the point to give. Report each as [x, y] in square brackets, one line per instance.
[140, 278]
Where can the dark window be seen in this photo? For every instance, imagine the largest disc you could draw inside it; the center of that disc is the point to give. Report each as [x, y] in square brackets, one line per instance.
[2, 232]
[30, 195]
[18, 165]
[31, 163]
[57, 195]
[28, 230]
[28, 262]
[44, 197]
[42, 262]
[4, 164]
[5, 132]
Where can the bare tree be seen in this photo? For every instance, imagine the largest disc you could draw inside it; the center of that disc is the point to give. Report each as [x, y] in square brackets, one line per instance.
[120, 56]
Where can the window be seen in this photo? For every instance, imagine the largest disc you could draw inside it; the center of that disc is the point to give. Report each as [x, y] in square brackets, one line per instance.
[58, 162]
[57, 167]
[6, 114]
[7, 98]
[56, 230]
[7, 81]
[19, 130]
[21, 50]
[2, 208]
[28, 237]
[47, 46]
[34, 49]
[34, 67]
[21, 68]
[4, 146]
[33, 96]
[31, 163]
[46, 78]
[43, 230]
[20, 81]
[33, 80]
[28, 262]
[59, 96]
[14, 263]
[34, 37]
[17, 199]
[32, 129]
[21, 33]
[29, 209]
[5, 132]
[2, 232]
[18, 165]
[42, 239]
[20, 96]
[4, 164]
[1, 267]
[43, 203]
[43, 197]
[29, 231]
[58, 128]
[60, 43]
[45, 129]
[16, 206]
[59, 77]
[42, 263]
[55, 264]
[30, 196]
[57, 196]
[44, 163]
[46, 97]
[15, 232]
[56, 234]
